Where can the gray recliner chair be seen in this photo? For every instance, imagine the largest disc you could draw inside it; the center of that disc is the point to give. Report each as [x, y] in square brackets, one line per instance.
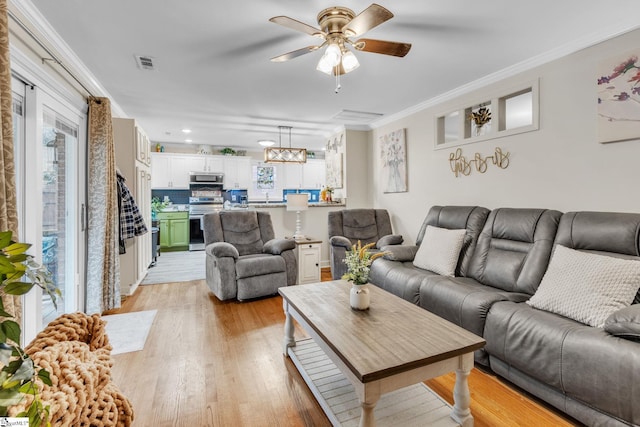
[348, 226]
[244, 260]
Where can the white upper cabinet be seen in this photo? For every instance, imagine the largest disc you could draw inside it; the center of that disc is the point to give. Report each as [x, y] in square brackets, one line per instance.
[313, 174]
[310, 175]
[237, 172]
[171, 170]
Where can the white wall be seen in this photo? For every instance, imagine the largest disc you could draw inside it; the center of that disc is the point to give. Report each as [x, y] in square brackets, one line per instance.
[315, 224]
[560, 166]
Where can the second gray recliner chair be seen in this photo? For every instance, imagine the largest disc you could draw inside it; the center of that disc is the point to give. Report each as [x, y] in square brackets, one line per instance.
[348, 226]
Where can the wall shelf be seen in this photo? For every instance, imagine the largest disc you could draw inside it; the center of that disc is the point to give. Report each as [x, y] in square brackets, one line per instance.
[512, 112]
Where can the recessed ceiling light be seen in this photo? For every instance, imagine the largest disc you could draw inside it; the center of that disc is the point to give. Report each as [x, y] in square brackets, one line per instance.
[266, 142]
[188, 140]
[185, 130]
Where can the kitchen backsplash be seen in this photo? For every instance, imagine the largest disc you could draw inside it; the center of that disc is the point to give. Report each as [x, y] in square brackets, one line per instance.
[177, 197]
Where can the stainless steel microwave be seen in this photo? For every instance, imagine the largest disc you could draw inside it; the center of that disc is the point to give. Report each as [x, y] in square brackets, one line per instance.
[206, 178]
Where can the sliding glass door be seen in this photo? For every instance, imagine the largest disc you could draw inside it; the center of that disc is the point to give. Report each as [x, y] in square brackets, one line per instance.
[49, 137]
[59, 218]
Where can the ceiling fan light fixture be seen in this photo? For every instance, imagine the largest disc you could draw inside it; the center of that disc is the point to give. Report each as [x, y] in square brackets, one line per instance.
[324, 66]
[349, 61]
[333, 54]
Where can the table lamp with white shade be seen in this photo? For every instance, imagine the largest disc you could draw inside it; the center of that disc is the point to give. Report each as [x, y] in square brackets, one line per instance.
[298, 202]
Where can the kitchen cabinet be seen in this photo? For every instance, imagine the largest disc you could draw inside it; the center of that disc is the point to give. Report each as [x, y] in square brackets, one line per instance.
[308, 175]
[237, 172]
[132, 152]
[172, 170]
[308, 255]
[174, 230]
[314, 173]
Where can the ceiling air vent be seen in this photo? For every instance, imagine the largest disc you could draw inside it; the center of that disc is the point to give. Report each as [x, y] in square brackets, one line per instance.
[145, 62]
[357, 116]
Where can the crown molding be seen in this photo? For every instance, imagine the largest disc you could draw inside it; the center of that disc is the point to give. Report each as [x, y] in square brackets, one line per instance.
[520, 67]
[32, 17]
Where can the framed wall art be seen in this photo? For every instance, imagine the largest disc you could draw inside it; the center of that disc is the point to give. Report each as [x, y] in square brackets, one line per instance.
[618, 83]
[333, 160]
[393, 162]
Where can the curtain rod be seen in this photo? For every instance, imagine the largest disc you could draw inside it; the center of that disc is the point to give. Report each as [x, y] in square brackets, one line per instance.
[42, 45]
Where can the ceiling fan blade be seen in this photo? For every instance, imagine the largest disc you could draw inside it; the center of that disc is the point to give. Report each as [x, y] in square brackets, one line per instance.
[295, 54]
[383, 47]
[369, 18]
[293, 24]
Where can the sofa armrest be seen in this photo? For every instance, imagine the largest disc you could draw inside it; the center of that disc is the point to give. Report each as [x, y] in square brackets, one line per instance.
[340, 241]
[277, 246]
[625, 323]
[222, 249]
[402, 253]
[389, 239]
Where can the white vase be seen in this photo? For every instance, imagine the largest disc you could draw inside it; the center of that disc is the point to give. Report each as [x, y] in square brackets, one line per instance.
[359, 297]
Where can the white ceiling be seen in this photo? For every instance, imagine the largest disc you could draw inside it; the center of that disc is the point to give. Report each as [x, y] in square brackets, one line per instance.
[214, 75]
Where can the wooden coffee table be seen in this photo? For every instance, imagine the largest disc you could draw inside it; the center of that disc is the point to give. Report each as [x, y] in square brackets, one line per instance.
[393, 345]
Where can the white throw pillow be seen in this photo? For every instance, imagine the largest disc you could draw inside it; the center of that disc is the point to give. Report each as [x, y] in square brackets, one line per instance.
[440, 250]
[586, 287]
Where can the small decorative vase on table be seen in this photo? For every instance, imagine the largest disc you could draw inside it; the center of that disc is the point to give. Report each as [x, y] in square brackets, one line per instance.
[358, 261]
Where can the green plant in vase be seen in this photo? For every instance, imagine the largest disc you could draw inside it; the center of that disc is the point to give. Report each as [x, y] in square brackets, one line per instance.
[157, 205]
[18, 374]
[358, 261]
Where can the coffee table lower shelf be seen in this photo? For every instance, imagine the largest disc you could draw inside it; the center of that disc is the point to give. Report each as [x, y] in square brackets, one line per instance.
[416, 405]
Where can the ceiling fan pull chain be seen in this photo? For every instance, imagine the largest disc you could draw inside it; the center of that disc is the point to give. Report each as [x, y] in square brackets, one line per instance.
[338, 85]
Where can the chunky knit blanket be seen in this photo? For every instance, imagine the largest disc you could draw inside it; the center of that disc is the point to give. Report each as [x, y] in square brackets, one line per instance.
[75, 350]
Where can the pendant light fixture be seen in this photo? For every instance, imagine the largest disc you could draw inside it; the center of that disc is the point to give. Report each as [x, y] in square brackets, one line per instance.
[285, 155]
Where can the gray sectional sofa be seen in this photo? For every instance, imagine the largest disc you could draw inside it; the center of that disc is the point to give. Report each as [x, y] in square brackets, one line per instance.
[590, 373]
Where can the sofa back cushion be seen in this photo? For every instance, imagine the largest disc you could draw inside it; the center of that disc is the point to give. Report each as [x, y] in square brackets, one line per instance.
[365, 225]
[606, 233]
[471, 218]
[514, 248]
[247, 231]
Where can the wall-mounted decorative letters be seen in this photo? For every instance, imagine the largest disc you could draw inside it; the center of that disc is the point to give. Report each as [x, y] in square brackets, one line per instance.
[393, 158]
[460, 165]
[619, 98]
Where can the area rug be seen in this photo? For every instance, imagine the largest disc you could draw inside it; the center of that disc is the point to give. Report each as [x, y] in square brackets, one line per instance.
[182, 266]
[128, 332]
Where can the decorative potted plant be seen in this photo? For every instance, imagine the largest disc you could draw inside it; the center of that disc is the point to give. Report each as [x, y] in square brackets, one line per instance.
[18, 373]
[157, 205]
[358, 261]
[228, 151]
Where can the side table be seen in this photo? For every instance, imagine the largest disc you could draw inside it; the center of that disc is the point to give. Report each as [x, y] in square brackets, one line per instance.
[308, 254]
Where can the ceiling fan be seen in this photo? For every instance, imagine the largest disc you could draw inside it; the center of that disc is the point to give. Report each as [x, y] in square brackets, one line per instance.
[337, 26]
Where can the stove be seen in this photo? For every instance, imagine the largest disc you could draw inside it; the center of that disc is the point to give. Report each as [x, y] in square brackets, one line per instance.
[198, 206]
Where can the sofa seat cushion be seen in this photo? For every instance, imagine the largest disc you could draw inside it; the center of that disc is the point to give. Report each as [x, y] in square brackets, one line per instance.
[585, 363]
[463, 301]
[259, 265]
[399, 278]
[587, 287]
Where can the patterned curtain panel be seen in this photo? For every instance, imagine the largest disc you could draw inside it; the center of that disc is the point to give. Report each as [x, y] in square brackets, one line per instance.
[8, 205]
[103, 263]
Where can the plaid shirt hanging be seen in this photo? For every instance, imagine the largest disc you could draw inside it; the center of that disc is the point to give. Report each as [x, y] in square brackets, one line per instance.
[131, 221]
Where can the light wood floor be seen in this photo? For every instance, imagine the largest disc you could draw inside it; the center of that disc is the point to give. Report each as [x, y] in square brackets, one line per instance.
[212, 363]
